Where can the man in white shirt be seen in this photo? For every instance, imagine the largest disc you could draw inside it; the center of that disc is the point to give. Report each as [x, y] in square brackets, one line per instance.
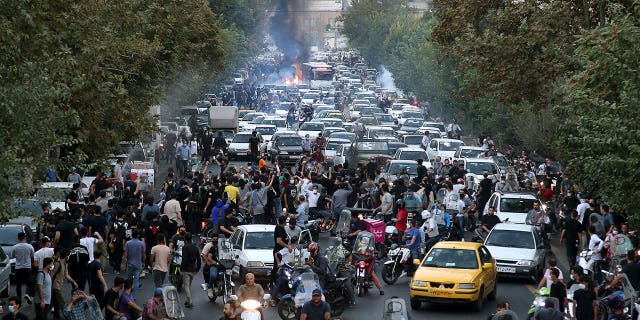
[90, 241]
[582, 208]
[172, 209]
[595, 245]
[286, 254]
[45, 252]
[546, 278]
[425, 140]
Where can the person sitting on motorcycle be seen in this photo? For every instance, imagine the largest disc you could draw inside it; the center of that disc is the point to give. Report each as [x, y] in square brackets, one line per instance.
[211, 262]
[355, 226]
[318, 263]
[286, 256]
[367, 254]
[412, 241]
[489, 220]
[631, 269]
[535, 215]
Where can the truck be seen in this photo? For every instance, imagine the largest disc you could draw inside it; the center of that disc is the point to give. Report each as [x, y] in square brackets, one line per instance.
[223, 117]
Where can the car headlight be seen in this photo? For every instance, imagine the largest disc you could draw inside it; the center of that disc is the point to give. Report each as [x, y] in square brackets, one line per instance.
[255, 264]
[284, 152]
[526, 263]
[418, 283]
[467, 285]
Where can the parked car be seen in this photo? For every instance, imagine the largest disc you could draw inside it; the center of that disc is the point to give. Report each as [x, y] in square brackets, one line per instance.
[8, 238]
[455, 271]
[518, 249]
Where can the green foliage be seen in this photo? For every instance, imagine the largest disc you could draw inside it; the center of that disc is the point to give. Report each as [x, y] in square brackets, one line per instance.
[78, 77]
[600, 133]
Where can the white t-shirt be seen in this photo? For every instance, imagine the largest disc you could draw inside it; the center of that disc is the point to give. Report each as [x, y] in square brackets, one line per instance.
[596, 244]
[288, 257]
[547, 275]
[582, 208]
[89, 242]
[41, 254]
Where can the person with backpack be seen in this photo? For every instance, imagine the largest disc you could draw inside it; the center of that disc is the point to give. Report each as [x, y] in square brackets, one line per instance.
[43, 295]
[118, 235]
[78, 261]
[169, 184]
[190, 266]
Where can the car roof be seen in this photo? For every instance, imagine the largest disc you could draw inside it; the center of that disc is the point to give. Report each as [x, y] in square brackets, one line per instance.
[410, 149]
[403, 162]
[258, 227]
[513, 226]
[338, 140]
[471, 148]
[54, 185]
[469, 245]
[446, 139]
[265, 126]
[476, 160]
[517, 195]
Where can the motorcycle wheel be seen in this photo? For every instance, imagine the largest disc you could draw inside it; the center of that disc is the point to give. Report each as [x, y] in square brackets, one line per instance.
[228, 293]
[286, 309]
[388, 275]
[381, 251]
[337, 308]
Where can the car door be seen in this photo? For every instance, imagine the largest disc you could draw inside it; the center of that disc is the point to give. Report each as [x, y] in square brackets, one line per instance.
[237, 249]
[489, 276]
[541, 251]
[5, 273]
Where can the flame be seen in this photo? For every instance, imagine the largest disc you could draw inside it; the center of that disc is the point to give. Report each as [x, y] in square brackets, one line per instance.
[296, 80]
[287, 81]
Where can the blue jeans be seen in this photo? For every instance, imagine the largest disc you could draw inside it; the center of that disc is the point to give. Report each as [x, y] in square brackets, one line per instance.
[461, 225]
[213, 275]
[133, 272]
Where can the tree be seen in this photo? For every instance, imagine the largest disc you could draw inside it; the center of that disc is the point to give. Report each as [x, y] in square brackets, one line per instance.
[599, 137]
[80, 76]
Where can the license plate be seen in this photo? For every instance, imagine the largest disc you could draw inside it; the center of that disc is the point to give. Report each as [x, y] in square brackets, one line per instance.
[229, 272]
[506, 269]
[440, 293]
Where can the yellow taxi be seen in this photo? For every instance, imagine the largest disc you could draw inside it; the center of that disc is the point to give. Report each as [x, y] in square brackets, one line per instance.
[454, 271]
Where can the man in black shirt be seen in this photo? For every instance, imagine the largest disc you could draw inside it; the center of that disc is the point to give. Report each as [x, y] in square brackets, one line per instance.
[65, 230]
[355, 226]
[227, 225]
[254, 147]
[484, 192]
[78, 262]
[112, 299]
[558, 290]
[490, 220]
[572, 233]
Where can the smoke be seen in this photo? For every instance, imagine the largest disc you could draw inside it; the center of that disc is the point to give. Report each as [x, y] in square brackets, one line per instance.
[285, 30]
[385, 79]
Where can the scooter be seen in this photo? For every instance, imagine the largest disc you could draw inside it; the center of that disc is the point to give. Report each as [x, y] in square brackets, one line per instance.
[538, 302]
[586, 262]
[251, 308]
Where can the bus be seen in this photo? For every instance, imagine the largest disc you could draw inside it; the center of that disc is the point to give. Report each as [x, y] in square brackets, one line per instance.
[317, 74]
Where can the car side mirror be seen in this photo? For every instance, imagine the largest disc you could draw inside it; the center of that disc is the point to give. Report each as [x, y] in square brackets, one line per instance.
[487, 265]
[416, 262]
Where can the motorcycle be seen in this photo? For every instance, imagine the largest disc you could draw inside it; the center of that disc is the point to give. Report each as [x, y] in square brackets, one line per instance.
[586, 262]
[290, 304]
[619, 300]
[399, 263]
[539, 302]
[251, 308]
[618, 247]
[225, 286]
[208, 231]
[363, 257]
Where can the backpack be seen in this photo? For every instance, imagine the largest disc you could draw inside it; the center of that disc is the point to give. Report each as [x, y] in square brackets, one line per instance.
[169, 186]
[120, 229]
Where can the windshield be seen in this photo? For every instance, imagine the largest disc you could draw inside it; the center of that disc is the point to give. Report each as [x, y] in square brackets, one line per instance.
[412, 155]
[266, 131]
[276, 122]
[479, 167]
[376, 133]
[449, 145]
[249, 116]
[511, 239]
[412, 168]
[368, 121]
[310, 95]
[451, 258]
[407, 115]
[368, 111]
[309, 126]
[257, 120]
[53, 194]
[343, 135]
[384, 117]
[241, 138]
[333, 145]
[332, 123]
[258, 240]
[9, 235]
[290, 141]
[516, 205]
[380, 146]
[397, 107]
[471, 153]
[303, 86]
[413, 140]
[413, 123]
[502, 161]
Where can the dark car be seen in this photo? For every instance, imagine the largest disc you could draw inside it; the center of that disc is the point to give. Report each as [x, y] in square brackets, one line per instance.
[286, 148]
[363, 151]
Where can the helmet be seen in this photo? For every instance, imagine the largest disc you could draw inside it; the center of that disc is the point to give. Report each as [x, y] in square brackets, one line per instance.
[400, 203]
[426, 214]
[314, 248]
[394, 246]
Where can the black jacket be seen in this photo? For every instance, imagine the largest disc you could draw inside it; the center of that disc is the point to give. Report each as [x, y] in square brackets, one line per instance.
[190, 258]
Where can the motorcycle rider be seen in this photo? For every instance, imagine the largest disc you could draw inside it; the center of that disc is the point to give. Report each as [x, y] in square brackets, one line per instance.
[596, 244]
[412, 242]
[488, 222]
[431, 231]
[364, 254]
[285, 256]
[535, 215]
[318, 263]
[401, 218]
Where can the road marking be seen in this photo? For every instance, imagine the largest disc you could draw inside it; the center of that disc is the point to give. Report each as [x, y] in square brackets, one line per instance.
[531, 288]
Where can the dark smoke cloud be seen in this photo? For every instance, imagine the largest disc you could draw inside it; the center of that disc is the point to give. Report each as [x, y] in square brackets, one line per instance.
[285, 30]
